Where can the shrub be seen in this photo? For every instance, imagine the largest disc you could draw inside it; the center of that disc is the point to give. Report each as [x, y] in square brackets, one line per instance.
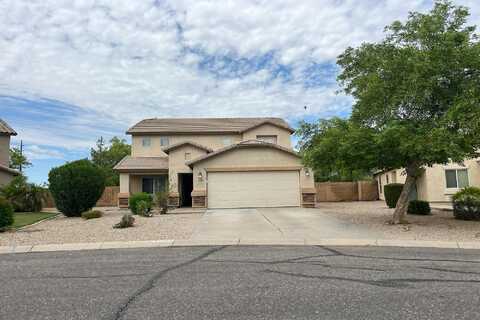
[136, 198]
[92, 214]
[419, 207]
[466, 204]
[392, 193]
[24, 197]
[76, 187]
[144, 208]
[126, 222]
[161, 201]
[6, 214]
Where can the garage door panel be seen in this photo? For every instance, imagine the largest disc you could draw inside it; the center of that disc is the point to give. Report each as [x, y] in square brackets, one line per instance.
[253, 189]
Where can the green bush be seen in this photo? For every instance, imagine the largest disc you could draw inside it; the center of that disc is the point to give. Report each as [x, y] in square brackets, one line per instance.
[392, 193]
[419, 207]
[6, 214]
[24, 197]
[136, 198]
[76, 187]
[466, 204]
[161, 201]
[144, 209]
[92, 214]
[126, 222]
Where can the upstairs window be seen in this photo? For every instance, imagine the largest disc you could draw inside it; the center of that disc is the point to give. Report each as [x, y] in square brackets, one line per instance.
[164, 141]
[146, 142]
[269, 139]
[456, 178]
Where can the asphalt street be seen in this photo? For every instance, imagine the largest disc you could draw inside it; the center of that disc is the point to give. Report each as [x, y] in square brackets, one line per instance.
[256, 282]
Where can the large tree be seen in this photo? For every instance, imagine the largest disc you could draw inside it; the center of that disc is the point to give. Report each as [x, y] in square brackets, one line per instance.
[106, 156]
[416, 97]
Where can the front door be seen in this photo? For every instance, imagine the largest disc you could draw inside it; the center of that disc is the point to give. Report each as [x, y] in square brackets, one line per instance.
[186, 188]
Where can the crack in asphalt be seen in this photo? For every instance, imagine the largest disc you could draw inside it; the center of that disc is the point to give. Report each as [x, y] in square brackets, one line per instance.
[338, 253]
[389, 283]
[150, 284]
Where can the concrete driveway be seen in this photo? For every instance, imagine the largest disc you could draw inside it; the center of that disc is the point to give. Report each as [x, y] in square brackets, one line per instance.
[268, 225]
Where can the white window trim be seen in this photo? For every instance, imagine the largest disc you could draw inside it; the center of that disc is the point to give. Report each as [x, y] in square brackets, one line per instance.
[450, 191]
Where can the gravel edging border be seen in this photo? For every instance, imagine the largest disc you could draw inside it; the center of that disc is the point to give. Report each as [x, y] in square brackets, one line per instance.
[239, 242]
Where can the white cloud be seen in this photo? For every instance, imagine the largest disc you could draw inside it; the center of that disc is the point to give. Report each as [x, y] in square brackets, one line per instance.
[121, 61]
[35, 152]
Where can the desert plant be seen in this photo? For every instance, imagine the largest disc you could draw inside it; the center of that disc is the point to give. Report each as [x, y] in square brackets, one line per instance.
[419, 207]
[92, 214]
[161, 201]
[466, 204]
[76, 187]
[392, 193]
[144, 209]
[6, 214]
[136, 198]
[126, 222]
[24, 196]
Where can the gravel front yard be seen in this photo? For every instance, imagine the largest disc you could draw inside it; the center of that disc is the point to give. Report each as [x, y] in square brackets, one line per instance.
[77, 230]
[439, 226]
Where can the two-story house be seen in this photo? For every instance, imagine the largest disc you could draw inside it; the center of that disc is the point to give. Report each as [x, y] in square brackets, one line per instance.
[216, 163]
[6, 174]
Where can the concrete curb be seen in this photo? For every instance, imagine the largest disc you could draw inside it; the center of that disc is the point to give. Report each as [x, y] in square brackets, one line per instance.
[239, 242]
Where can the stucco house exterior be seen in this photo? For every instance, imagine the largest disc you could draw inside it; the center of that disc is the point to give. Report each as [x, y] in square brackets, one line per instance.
[437, 183]
[216, 163]
[6, 174]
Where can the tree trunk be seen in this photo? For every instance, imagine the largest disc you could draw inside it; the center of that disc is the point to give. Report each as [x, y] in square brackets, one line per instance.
[402, 203]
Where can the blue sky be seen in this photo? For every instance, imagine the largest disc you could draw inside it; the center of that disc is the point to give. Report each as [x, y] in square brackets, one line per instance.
[72, 71]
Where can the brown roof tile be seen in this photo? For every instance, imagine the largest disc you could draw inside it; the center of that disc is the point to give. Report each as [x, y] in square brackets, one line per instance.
[5, 129]
[203, 125]
[142, 163]
[179, 144]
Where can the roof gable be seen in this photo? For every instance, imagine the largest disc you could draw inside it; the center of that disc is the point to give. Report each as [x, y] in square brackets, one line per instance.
[183, 143]
[203, 125]
[243, 144]
[5, 129]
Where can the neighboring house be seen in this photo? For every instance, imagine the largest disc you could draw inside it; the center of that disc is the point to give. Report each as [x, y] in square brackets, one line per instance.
[437, 183]
[216, 163]
[6, 174]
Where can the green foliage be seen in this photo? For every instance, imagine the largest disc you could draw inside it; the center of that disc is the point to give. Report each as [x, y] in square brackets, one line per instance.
[144, 208]
[416, 97]
[127, 221]
[419, 207]
[466, 204]
[161, 201]
[76, 187]
[6, 214]
[92, 214]
[24, 196]
[136, 198]
[107, 156]
[18, 160]
[392, 193]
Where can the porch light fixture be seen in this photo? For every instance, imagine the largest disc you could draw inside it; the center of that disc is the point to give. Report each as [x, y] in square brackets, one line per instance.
[200, 176]
[307, 172]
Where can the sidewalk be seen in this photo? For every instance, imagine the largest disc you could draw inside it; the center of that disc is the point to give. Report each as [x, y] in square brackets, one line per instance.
[239, 242]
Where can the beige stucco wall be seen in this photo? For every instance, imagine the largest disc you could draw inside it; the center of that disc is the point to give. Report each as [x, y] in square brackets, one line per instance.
[176, 163]
[155, 150]
[283, 136]
[432, 185]
[393, 176]
[253, 158]
[4, 150]
[5, 178]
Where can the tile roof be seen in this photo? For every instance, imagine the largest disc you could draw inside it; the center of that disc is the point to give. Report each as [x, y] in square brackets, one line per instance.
[130, 163]
[179, 144]
[203, 125]
[5, 129]
[243, 144]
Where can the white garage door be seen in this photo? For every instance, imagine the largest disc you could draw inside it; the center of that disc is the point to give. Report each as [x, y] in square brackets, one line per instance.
[253, 189]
